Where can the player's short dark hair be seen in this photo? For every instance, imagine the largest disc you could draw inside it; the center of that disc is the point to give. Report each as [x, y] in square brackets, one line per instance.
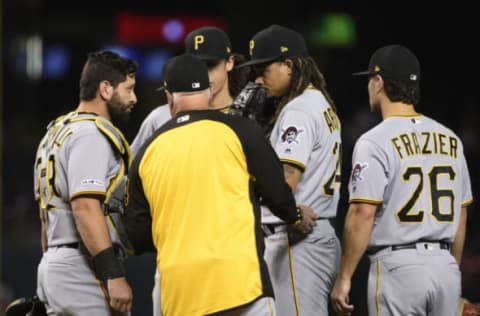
[237, 77]
[104, 65]
[402, 91]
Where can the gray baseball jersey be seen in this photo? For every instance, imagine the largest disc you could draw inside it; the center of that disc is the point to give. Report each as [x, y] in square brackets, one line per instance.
[307, 135]
[156, 118]
[75, 157]
[414, 169]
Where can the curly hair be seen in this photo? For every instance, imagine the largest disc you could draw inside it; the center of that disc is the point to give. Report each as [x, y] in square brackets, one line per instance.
[305, 72]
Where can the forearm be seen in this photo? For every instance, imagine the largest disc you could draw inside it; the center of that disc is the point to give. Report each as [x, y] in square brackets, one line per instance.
[91, 224]
[358, 227]
[292, 176]
[43, 237]
[458, 242]
[43, 230]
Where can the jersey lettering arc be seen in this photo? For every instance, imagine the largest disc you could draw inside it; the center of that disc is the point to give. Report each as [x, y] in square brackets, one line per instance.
[415, 170]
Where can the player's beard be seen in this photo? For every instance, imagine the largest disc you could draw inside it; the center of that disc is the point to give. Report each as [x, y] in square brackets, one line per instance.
[118, 110]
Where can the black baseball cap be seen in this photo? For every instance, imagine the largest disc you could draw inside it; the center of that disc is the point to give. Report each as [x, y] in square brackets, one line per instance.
[185, 73]
[394, 62]
[275, 42]
[208, 43]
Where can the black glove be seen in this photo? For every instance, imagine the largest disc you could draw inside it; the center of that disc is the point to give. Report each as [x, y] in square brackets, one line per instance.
[113, 210]
[116, 202]
[249, 102]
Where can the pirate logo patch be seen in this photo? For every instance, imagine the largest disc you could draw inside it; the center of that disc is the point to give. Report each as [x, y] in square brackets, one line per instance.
[290, 135]
[357, 171]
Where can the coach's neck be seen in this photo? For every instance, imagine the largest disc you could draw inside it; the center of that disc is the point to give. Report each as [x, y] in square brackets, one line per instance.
[188, 101]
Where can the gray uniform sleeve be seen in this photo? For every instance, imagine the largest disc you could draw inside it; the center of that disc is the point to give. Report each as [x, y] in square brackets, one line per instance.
[467, 197]
[369, 174]
[36, 176]
[296, 138]
[150, 124]
[145, 131]
[87, 164]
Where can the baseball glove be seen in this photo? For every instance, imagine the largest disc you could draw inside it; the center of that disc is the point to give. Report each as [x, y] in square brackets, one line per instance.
[31, 306]
[468, 309]
[249, 102]
[113, 209]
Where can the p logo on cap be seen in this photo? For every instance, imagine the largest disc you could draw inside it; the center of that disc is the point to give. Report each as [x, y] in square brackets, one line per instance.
[274, 43]
[199, 39]
[208, 43]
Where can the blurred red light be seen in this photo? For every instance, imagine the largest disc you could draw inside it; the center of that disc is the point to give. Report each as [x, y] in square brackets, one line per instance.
[141, 29]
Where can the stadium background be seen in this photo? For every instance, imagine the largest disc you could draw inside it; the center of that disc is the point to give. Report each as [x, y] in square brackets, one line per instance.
[44, 45]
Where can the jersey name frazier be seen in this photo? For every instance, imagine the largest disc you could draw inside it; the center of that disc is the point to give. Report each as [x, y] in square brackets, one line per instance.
[425, 143]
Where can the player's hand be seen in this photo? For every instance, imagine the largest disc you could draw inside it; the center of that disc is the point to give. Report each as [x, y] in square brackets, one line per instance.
[309, 220]
[339, 297]
[120, 294]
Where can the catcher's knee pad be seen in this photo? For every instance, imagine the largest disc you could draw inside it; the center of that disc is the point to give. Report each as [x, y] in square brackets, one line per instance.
[26, 307]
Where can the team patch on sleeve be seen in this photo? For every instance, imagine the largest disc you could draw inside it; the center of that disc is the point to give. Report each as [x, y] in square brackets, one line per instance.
[93, 182]
[357, 171]
[290, 135]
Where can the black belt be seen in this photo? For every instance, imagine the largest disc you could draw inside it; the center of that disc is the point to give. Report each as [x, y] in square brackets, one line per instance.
[76, 245]
[273, 228]
[442, 244]
[73, 245]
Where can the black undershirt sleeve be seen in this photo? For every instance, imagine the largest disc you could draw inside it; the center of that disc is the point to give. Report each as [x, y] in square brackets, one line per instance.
[136, 218]
[266, 168]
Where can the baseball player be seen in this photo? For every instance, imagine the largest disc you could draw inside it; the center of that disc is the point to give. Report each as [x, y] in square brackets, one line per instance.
[212, 45]
[306, 137]
[79, 161]
[191, 195]
[409, 191]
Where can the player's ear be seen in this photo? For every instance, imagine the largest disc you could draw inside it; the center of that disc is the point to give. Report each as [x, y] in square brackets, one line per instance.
[171, 106]
[289, 64]
[230, 63]
[105, 90]
[378, 83]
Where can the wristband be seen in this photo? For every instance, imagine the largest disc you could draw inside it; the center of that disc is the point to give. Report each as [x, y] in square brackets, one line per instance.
[106, 265]
[299, 218]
